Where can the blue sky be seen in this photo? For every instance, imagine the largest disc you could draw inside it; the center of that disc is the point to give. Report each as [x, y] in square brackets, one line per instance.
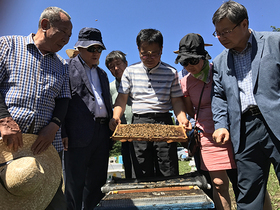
[120, 21]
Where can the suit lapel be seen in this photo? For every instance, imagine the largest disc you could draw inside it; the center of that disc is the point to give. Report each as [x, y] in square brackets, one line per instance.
[231, 75]
[80, 68]
[105, 89]
[257, 50]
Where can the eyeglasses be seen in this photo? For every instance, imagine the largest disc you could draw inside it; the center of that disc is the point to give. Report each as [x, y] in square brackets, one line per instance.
[192, 61]
[150, 54]
[225, 33]
[94, 49]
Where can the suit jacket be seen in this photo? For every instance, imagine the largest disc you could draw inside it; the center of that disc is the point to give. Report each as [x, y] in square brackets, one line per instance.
[79, 120]
[265, 66]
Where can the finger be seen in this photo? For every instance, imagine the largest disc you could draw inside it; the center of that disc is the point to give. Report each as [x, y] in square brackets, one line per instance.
[42, 149]
[65, 144]
[20, 141]
[15, 145]
[9, 142]
[36, 146]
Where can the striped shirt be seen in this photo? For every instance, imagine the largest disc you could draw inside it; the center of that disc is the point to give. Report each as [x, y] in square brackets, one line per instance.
[150, 89]
[30, 82]
[243, 71]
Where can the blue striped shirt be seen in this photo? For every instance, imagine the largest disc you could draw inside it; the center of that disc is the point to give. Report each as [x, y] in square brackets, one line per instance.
[243, 71]
[30, 82]
[150, 89]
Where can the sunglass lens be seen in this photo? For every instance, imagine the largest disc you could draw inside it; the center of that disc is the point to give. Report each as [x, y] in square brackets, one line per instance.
[94, 49]
[194, 61]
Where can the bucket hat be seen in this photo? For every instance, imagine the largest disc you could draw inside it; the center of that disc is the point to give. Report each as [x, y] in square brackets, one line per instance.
[192, 46]
[28, 181]
[89, 36]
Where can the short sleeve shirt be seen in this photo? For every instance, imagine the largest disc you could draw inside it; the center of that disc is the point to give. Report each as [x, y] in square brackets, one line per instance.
[150, 90]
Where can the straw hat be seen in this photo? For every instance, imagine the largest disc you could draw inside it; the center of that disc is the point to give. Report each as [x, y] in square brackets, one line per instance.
[29, 181]
[72, 53]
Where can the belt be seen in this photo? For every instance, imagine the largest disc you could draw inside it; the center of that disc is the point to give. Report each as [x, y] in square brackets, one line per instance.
[252, 110]
[153, 115]
[102, 120]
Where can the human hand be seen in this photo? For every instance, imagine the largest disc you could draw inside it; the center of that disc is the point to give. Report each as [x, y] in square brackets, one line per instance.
[221, 136]
[45, 138]
[113, 123]
[186, 124]
[65, 143]
[11, 133]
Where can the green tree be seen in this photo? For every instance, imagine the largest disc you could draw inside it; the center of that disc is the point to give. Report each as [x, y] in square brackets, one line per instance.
[275, 29]
[116, 150]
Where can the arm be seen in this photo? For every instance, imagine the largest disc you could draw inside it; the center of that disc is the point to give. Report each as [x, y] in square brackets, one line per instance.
[47, 134]
[9, 129]
[179, 110]
[119, 109]
[189, 106]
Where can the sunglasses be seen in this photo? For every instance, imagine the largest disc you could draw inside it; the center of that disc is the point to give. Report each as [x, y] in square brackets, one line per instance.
[94, 49]
[192, 61]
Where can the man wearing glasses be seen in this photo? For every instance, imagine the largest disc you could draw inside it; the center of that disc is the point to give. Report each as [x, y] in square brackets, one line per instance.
[245, 100]
[87, 134]
[153, 88]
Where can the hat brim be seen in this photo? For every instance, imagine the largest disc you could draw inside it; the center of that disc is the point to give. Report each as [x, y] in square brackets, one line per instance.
[72, 53]
[43, 194]
[86, 44]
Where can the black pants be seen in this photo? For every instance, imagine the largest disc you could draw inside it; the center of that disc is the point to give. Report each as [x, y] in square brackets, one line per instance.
[258, 149]
[86, 170]
[152, 159]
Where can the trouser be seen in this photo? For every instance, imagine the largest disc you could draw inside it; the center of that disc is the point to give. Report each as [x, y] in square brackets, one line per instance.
[58, 202]
[127, 162]
[86, 170]
[258, 149]
[152, 159]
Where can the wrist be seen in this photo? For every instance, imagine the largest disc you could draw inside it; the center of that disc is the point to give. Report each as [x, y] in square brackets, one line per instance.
[56, 121]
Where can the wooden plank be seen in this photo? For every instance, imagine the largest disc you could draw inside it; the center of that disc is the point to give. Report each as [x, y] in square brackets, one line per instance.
[154, 189]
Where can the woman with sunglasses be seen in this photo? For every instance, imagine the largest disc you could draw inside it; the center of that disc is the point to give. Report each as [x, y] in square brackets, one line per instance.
[214, 158]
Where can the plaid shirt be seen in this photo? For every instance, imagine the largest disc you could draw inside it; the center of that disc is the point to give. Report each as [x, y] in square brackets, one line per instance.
[243, 70]
[30, 82]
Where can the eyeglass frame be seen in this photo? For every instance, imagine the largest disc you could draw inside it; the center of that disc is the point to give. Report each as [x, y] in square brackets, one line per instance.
[190, 61]
[98, 49]
[152, 55]
[225, 33]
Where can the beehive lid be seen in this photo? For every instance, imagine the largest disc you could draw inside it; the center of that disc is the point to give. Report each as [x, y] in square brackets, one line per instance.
[150, 132]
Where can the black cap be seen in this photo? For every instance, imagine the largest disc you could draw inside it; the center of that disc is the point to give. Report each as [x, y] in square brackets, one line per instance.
[89, 36]
[192, 46]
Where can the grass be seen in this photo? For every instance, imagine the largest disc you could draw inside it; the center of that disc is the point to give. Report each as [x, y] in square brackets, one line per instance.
[272, 186]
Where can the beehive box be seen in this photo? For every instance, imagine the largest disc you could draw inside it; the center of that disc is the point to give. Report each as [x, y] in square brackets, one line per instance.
[150, 132]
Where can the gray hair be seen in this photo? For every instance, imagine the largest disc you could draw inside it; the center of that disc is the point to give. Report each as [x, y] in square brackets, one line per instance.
[232, 10]
[53, 15]
[116, 54]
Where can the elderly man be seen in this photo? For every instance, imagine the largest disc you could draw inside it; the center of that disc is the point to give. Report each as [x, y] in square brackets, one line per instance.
[34, 84]
[86, 124]
[116, 62]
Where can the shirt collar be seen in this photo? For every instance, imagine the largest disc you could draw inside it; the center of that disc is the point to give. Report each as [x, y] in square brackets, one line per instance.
[147, 69]
[248, 46]
[84, 63]
[30, 42]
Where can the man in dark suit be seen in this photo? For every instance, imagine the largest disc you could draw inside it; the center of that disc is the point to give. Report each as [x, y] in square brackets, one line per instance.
[245, 102]
[86, 124]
